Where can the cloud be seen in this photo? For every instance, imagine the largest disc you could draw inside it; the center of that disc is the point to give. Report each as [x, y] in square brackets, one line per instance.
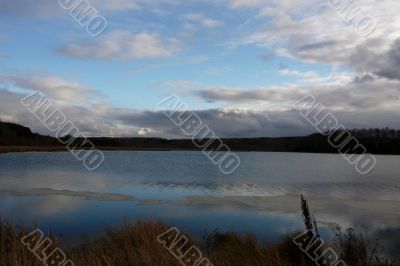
[295, 73]
[361, 106]
[218, 71]
[180, 84]
[52, 9]
[304, 30]
[106, 120]
[123, 45]
[118, 5]
[40, 8]
[266, 57]
[372, 95]
[245, 3]
[385, 64]
[201, 19]
[224, 122]
[238, 95]
[317, 45]
[314, 32]
[56, 88]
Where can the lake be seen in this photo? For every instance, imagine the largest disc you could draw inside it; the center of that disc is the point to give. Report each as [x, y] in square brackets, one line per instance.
[184, 189]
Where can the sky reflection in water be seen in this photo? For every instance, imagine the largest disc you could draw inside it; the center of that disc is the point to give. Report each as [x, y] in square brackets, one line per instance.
[184, 189]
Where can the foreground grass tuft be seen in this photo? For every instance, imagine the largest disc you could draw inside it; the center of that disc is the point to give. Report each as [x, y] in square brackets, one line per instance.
[136, 244]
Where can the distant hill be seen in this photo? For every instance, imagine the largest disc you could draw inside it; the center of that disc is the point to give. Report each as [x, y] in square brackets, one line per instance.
[377, 141]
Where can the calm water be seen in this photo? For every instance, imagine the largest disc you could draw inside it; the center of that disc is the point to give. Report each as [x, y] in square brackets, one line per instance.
[186, 190]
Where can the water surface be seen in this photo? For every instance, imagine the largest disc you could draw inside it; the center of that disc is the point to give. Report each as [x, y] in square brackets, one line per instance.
[186, 190]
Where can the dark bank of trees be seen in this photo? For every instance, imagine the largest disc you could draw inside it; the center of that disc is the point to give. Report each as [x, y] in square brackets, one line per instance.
[376, 133]
[16, 135]
[376, 141]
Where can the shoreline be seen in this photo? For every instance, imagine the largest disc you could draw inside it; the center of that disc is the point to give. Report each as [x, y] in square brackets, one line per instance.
[17, 149]
[22, 149]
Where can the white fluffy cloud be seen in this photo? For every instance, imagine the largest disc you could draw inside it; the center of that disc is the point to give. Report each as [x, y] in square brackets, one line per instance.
[316, 32]
[56, 88]
[124, 46]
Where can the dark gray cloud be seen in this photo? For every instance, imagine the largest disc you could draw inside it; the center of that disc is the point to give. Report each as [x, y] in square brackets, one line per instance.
[237, 95]
[368, 95]
[367, 101]
[226, 123]
[383, 64]
[105, 120]
[317, 45]
[364, 78]
[391, 67]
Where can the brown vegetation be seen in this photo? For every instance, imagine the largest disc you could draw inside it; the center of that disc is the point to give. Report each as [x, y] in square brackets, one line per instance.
[136, 244]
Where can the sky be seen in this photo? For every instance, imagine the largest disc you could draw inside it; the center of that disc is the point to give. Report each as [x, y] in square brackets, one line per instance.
[239, 64]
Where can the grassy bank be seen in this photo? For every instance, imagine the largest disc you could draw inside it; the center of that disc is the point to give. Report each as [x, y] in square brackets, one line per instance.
[137, 244]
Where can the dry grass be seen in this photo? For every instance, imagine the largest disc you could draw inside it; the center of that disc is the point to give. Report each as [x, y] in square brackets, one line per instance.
[12, 252]
[136, 244]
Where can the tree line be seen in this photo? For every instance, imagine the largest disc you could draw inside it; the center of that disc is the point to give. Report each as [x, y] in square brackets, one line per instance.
[375, 140]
